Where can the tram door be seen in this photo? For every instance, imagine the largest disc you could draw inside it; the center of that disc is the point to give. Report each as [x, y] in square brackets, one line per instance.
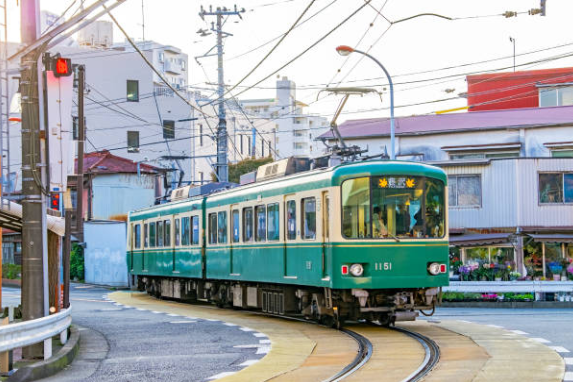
[234, 241]
[325, 237]
[290, 236]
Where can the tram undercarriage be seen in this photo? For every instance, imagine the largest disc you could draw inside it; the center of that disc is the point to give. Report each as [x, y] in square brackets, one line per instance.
[330, 306]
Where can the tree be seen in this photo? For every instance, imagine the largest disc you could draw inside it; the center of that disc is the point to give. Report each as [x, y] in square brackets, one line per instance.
[243, 167]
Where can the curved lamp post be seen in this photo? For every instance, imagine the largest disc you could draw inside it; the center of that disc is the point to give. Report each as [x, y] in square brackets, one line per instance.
[344, 50]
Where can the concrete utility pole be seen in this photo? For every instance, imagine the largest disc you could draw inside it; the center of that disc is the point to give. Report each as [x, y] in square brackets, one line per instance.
[34, 243]
[222, 166]
[81, 143]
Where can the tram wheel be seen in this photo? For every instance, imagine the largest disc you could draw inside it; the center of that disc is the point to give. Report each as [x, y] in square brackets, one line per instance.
[385, 319]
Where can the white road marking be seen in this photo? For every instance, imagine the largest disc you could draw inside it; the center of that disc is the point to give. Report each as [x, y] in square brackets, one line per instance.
[568, 361]
[244, 329]
[249, 362]
[156, 312]
[568, 376]
[142, 310]
[519, 332]
[212, 320]
[264, 341]
[263, 350]
[259, 335]
[84, 287]
[541, 340]
[174, 315]
[250, 346]
[229, 324]
[222, 375]
[183, 322]
[559, 349]
[496, 326]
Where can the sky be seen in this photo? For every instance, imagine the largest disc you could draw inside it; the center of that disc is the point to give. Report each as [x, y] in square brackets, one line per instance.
[424, 44]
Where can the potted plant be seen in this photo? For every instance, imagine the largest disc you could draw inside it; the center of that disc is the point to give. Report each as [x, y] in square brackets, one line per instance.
[514, 275]
[555, 268]
[498, 275]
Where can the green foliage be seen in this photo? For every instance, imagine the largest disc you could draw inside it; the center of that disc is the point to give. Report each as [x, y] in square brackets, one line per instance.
[11, 271]
[77, 262]
[243, 167]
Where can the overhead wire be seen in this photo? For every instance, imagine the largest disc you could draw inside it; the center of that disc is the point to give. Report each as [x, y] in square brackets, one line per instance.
[344, 21]
[273, 48]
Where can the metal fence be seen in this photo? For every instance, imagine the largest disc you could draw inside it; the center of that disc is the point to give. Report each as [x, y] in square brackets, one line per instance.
[31, 332]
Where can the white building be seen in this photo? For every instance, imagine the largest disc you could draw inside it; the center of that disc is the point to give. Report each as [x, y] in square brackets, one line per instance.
[294, 131]
[133, 114]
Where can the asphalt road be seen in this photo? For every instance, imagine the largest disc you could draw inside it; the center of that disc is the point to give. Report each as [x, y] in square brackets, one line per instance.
[148, 346]
[552, 327]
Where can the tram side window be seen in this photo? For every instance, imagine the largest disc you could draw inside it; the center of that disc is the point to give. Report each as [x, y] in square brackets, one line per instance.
[222, 227]
[160, 234]
[247, 224]
[152, 234]
[145, 236]
[235, 225]
[177, 232]
[260, 223]
[356, 208]
[308, 218]
[212, 228]
[291, 220]
[273, 222]
[185, 231]
[195, 225]
[136, 236]
[167, 238]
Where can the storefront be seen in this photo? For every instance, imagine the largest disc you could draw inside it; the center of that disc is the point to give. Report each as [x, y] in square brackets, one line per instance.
[500, 256]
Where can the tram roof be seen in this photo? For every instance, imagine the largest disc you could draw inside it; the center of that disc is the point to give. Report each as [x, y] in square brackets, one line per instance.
[299, 182]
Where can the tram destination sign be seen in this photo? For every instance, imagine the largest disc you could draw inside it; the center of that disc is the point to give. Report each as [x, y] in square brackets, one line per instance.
[396, 182]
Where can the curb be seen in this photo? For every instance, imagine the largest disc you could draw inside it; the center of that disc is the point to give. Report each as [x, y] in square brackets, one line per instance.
[52, 365]
[508, 304]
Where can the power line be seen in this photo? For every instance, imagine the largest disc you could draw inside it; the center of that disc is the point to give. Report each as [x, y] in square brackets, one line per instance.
[366, 2]
[278, 37]
[273, 48]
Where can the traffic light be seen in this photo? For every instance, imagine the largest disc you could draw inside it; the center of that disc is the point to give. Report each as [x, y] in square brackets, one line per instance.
[55, 201]
[62, 67]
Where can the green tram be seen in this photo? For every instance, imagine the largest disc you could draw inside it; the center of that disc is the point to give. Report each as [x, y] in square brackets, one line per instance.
[361, 240]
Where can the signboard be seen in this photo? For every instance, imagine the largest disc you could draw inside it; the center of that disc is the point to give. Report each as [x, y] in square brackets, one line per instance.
[397, 182]
[60, 126]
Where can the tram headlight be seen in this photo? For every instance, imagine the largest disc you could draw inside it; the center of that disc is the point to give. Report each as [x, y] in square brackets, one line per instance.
[356, 270]
[434, 269]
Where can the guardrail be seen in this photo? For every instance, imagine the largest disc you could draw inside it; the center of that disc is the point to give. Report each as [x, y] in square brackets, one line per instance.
[510, 286]
[31, 332]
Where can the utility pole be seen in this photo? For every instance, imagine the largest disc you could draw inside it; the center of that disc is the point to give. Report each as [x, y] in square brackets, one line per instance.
[222, 167]
[34, 243]
[81, 144]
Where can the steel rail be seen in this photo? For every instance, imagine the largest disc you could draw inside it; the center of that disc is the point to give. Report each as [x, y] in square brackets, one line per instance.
[362, 357]
[431, 358]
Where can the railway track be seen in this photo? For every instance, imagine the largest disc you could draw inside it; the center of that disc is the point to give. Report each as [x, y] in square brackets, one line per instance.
[365, 350]
[431, 358]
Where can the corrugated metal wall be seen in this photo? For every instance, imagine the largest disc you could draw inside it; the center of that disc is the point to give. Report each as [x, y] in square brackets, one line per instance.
[510, 195]
[118, 194]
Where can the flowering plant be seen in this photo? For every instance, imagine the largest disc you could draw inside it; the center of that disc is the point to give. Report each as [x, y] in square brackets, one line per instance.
[515, 275]
[489, 296]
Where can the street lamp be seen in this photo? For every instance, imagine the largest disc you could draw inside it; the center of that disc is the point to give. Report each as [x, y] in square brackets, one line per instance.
[344, 50]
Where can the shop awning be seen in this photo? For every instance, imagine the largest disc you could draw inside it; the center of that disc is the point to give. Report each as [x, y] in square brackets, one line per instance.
[473, 240]
[553, 238]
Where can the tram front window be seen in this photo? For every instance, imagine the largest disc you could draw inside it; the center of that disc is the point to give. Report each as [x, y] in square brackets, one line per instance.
[393, 207]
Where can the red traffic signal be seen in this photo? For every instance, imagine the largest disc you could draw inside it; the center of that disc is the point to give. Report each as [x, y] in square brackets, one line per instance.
[62, 67]
[55, 201]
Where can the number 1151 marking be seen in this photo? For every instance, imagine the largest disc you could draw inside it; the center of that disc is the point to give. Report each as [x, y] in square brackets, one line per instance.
[383, 266]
